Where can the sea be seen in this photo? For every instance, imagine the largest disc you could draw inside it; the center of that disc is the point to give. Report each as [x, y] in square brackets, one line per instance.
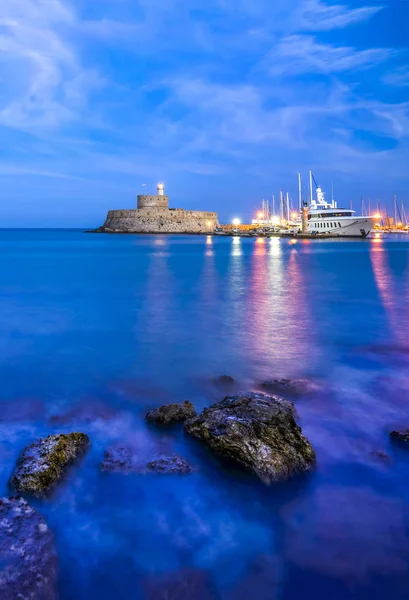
[96, 330]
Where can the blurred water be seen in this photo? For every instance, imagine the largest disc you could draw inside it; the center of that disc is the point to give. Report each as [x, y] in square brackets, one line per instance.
[95, 330]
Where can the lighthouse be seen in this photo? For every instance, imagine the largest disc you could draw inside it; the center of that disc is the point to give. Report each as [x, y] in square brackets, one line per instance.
[161, 189]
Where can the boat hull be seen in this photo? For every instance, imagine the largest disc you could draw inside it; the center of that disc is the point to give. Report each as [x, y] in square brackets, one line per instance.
[359, 227]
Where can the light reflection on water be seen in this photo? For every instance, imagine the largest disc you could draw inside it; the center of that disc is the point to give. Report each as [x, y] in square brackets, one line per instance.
[95, 330]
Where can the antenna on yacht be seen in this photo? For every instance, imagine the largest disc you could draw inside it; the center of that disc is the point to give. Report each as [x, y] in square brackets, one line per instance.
[310, 187]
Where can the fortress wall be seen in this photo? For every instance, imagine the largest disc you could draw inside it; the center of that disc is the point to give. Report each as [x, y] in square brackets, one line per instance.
[157, 220]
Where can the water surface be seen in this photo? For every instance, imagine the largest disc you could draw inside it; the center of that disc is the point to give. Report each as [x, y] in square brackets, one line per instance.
[95, 330]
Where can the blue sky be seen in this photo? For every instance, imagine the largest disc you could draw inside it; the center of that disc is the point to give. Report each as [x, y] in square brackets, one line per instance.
[224, 100]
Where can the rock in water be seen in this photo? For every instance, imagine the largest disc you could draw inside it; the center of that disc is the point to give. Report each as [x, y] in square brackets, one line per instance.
[401, 437]
[44, 462]
[171, 413]
[258, 431]
[119, 460]
[170, 465]
[291, 387]
[28, 565]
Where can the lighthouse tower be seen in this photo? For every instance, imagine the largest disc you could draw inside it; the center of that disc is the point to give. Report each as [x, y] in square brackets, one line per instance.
[158, 202]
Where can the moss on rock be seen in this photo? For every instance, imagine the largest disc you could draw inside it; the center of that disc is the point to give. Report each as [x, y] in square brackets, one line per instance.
[44, 462]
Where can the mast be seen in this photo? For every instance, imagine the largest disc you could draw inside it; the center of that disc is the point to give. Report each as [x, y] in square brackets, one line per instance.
[281, 205]
[274, 206]
[310, 187]
[288, 207]
[369, 207]
[403, 214]
[395, 211]
[299, 193]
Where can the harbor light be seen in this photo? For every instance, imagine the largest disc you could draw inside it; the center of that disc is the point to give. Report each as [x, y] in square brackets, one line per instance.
[236, 222]
[260, 215]
[378, 215]
[294, 215]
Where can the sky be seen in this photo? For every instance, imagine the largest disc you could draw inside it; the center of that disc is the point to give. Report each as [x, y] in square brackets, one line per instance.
[223, 100]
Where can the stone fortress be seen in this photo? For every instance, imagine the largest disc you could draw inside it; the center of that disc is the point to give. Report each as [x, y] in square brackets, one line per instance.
[153, 215]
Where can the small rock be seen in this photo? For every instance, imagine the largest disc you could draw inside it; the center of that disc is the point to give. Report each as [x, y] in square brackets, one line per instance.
[29, 565]
[171, 413]
[292, 387]
[380, 455]
[44, 462]
[190, 584]
[118, 460]
[400, 437]
[223, 381]
[170, 465]
[259, 432]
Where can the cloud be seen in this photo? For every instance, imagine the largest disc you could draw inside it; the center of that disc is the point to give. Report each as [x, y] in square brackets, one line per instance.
[398, 77]
[316, 15]
[297, 54]
[46, 83]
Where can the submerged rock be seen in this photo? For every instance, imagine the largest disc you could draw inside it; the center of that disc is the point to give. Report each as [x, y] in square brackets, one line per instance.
[119, 460]
[291, 387]
[171, 413]
[28, 565]
[44, 462]
[224, 381]
[124, 460]
[400, 437]
[259, 432]
[189, 584]
[170, 465]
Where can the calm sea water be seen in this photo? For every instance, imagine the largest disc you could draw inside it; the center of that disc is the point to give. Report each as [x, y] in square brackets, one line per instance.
[95, 330]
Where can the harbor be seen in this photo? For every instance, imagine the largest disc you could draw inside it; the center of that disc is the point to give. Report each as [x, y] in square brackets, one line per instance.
[316, 218]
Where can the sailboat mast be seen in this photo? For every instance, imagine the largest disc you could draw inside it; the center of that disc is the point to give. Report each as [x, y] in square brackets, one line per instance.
[310, 187]
[281, 205]
[288, 207]
[395, 211]
[299, 193]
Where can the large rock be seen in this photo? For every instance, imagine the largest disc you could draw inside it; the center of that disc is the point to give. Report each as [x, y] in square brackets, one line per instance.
[171, 413]
[44, 462]
[258, 431]
[28, 563]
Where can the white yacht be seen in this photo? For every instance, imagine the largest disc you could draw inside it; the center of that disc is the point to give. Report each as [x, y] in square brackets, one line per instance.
[325, 217]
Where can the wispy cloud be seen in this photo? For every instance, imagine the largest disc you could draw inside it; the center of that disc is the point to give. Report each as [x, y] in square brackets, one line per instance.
[398, 77]
[46, 83]
[297, 54]
[316, 15]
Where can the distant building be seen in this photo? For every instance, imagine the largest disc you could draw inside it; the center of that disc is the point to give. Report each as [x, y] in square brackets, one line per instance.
[153, 215]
